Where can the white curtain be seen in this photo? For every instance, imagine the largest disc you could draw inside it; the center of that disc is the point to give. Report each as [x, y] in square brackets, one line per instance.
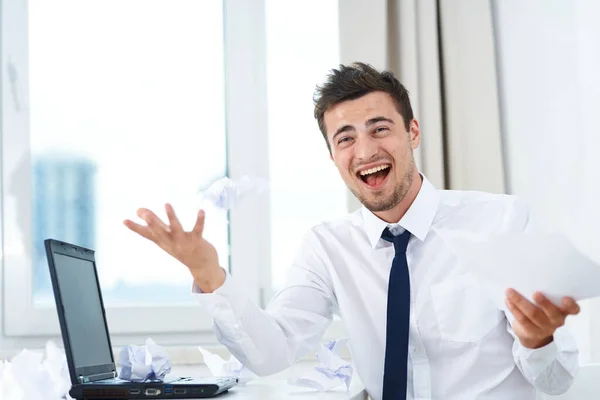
[549, 58]
[474, 159]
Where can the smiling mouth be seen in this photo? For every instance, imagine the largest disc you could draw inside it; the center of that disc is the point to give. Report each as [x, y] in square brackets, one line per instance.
[374, 177]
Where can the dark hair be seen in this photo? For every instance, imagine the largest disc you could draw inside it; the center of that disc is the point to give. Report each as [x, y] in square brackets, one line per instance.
[352, 81]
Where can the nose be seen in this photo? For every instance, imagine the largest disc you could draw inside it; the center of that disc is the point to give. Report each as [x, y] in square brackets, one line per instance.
[365, 148]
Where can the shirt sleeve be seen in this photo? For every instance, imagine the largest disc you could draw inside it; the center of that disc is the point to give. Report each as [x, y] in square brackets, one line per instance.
[551, 368]
[270, 340]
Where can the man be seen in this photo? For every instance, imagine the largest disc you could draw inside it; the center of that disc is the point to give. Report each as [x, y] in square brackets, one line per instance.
[416, 326]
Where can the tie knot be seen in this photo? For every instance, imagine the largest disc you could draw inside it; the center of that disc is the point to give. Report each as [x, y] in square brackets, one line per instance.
[400, 241]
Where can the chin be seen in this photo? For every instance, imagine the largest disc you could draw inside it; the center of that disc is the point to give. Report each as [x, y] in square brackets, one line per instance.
[379, 207]
[379, 203]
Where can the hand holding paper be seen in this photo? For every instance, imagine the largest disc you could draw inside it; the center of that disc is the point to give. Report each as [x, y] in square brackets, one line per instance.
[535, 324]
[545, 275]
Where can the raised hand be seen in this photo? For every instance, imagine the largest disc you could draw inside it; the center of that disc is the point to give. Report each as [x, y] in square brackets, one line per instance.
[190, 248]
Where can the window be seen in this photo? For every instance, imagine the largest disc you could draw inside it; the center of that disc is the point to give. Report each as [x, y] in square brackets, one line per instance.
[121, 119]
[110, 106]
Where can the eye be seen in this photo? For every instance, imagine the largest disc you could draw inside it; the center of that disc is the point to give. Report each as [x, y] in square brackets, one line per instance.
[381, 129]
[344, 139]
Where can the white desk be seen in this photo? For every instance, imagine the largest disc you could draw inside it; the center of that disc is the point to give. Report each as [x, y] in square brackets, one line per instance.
[275, 387]
[280, 390]
[585, 387]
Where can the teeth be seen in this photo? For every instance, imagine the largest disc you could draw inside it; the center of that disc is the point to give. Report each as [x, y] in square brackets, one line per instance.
[373, 170]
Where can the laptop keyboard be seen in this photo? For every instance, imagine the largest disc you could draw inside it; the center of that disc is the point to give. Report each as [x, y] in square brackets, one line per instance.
[202, 381]
[111, 381]
[118, 381]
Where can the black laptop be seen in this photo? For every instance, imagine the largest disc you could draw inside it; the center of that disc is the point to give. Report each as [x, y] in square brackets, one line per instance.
[87, 340]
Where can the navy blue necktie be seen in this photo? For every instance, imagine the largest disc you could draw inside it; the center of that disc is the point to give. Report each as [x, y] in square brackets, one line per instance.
[398, 317]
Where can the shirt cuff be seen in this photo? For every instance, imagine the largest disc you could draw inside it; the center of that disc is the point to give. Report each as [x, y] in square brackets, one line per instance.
[543, 355]
[537, 361]
[196, 289]
[226, 297]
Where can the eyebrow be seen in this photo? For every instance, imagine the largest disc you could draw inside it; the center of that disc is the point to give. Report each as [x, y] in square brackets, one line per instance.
[370, 122]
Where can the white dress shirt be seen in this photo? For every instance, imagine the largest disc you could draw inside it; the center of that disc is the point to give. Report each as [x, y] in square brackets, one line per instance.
[461, 346]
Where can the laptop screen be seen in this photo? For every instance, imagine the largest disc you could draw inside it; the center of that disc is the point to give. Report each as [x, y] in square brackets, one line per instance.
[84, 318]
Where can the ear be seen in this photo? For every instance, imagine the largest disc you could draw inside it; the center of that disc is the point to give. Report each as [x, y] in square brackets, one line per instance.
[415, 133]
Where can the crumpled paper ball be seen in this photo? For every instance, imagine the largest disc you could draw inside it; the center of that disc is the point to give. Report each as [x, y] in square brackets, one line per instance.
[331, 372]
[230, 368]
[226, 192]
[32, 375]
[144, 363]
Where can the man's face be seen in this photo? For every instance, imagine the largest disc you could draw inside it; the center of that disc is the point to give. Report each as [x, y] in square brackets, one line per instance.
[372, 149]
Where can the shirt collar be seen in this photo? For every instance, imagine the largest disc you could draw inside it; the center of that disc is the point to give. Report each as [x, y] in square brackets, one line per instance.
[417, 220]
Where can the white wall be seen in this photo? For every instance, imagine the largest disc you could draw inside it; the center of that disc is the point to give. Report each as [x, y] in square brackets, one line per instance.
[549, 58]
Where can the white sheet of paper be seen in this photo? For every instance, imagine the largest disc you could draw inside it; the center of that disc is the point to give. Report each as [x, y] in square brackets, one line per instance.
[528, 262]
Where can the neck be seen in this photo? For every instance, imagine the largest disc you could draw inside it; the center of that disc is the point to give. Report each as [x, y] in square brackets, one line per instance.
[395, 214]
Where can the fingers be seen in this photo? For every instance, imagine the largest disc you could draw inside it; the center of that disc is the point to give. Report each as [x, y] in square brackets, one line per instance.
[535, 324]
[176, 227]
[570, 306]
[159, 230]
[199, 227]
[520, 316]
[522, 306]
[555, 314]
[152, 219]
[139, 229]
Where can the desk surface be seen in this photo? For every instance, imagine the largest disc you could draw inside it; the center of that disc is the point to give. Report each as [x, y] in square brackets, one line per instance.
[585, 387]
[275, 387]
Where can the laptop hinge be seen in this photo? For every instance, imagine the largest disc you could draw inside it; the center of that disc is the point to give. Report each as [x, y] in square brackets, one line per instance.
[97, 377]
